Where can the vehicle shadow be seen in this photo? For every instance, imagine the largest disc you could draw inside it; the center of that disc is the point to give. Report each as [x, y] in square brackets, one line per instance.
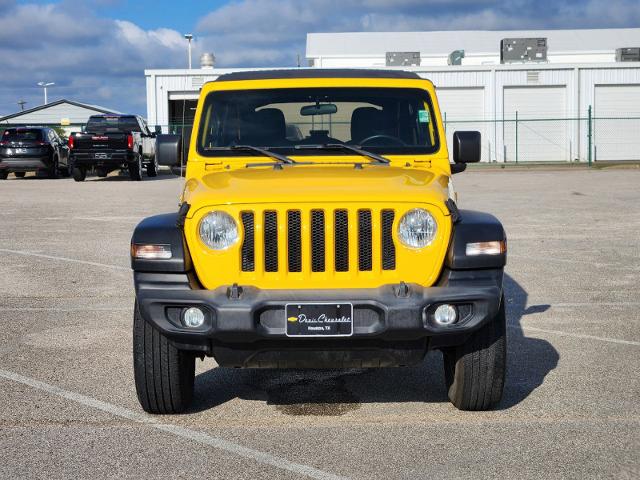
[336, 392]
[124, 177]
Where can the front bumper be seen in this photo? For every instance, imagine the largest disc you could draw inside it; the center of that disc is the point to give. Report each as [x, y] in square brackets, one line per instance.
[392, 327]
[24, 164]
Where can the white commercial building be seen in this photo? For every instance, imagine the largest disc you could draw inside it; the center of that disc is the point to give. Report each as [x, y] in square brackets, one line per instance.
[67, 114]
[535, 109]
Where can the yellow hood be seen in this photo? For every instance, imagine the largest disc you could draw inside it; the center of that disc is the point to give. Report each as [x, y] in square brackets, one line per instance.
[316, 184]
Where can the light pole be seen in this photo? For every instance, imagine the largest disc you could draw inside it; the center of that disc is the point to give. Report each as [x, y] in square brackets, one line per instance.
[44, 86]
[189, 37]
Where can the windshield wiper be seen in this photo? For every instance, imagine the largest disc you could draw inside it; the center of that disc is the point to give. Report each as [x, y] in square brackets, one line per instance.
[265, 152]
[351, 148]
[262, 151]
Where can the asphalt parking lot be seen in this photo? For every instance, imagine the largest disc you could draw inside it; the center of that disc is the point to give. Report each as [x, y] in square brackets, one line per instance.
[572, 400]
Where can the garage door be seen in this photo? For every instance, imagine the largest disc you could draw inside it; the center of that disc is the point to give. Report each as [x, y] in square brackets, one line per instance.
[462, 108]
[616, 127]
[541, 134]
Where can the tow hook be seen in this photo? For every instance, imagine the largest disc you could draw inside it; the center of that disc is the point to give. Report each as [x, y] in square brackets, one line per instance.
[402, 290]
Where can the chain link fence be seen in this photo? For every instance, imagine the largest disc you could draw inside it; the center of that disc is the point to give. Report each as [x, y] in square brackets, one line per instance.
[586, 139]
[517, 139]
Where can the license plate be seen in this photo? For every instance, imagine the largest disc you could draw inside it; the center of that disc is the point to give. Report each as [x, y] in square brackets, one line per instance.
[319, 319]
[21, 150]
[100, 156]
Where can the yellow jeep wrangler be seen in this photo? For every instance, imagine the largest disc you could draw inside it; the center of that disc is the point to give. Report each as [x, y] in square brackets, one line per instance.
[318, 228]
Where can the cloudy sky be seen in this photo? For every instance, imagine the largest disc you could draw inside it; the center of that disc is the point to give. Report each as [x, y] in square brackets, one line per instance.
[96, 50]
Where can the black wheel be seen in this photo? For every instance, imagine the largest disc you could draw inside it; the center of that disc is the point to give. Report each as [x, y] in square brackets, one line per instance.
[164, 375]
[135, 168]
[152, 167]
[3, 174]
[52, 171]
[79, 174]
[475, 371]
[102, 172]
[19, 174]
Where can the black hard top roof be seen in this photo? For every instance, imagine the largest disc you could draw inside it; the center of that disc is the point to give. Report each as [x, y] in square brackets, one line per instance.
[315, 73]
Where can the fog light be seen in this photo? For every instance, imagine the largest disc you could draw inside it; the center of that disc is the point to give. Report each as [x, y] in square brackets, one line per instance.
[193, 317]
[445, 315]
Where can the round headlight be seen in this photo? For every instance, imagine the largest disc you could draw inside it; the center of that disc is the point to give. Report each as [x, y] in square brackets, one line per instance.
[218, 230]
[417, 228]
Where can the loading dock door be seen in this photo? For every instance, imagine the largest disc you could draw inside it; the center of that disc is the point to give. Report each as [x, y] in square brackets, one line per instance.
[542, 133]
[463, 109]
[616, 127]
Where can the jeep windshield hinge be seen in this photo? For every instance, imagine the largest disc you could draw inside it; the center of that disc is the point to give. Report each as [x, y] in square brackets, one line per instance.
[453, 210]
[182, 214]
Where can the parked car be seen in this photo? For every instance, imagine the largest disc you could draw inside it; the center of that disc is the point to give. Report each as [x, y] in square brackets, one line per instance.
[33, 149]
[342, 249]
[111, 142]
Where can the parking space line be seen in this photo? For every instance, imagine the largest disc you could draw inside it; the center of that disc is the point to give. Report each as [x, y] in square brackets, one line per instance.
[64, 259]
[193, 435]
[577, 335]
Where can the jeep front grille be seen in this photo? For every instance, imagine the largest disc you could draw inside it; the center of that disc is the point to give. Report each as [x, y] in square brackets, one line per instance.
[318, 240]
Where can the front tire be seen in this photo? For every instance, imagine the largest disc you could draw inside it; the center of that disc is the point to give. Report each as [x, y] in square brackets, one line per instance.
[3, 174]
[152, 167]
[164, 375]
[475, 370]
[53, 171]
[135, 169]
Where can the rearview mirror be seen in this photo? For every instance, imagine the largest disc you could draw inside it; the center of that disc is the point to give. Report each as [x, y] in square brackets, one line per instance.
[466, 147]
[318, 109]
[169, 150]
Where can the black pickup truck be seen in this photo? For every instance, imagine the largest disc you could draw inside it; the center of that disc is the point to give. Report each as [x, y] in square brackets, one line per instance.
[111, 142]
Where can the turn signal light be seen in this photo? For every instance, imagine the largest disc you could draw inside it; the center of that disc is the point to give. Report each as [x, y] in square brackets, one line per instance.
[129, 142]
[151, 252]
[70, 142]
[496, 247]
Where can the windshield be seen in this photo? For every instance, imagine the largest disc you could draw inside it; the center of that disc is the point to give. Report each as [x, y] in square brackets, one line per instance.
[382, 120]
[113, 124]
[22, 135]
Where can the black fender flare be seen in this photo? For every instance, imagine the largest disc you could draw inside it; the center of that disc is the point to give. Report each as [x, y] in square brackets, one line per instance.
[475, 227]
[164, 229]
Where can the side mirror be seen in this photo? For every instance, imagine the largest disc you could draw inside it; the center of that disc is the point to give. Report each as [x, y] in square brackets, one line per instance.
[169, 150]
[466, 147]
[157, 130]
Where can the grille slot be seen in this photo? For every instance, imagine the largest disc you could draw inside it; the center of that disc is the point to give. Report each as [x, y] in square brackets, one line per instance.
[341, 224]
[296, 247]
[294, 241]
[317, 241]
[248, 245]
[388, 247]
[270, 241]
[365, 253]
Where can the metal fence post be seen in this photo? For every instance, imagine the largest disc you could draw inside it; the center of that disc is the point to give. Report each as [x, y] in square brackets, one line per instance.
[445, 122]
[516, 136]
[589, 133]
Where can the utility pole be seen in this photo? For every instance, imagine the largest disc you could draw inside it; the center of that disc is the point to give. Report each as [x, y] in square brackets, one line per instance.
[44, 85]
[189, 37]
[22, 104]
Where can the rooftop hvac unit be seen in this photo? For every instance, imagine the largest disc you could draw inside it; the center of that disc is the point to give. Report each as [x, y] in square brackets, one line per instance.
[627, 54]
[521, 50]
[455, 57]
[207, 60]
[403, 59]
